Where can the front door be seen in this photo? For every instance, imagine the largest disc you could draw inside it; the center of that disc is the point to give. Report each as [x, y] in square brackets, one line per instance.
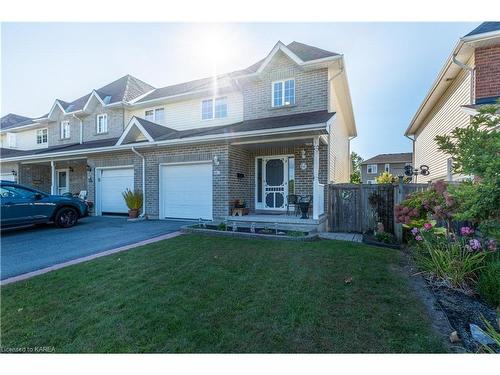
[275, 182]
[62, 183]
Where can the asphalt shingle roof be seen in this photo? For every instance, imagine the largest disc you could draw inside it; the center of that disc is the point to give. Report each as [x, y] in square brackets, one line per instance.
[405, 157]
[155, 130]
[485, 27]
[303, 51]
[13, 121]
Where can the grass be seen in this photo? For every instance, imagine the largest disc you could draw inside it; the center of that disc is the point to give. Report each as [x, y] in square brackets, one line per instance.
[224, 295]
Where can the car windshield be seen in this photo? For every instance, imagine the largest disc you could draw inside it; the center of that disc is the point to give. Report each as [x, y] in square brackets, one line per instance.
[8, 191]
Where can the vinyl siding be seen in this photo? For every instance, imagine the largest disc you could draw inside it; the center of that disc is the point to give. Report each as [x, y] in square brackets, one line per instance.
[444, 117]
[25, 140]
[186, 114]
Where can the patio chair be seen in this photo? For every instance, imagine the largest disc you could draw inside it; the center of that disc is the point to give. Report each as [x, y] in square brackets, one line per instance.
[307, 199]
[83, 194]
[292, 200]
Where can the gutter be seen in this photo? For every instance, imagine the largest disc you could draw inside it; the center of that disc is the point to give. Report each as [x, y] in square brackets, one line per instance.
[143, 179]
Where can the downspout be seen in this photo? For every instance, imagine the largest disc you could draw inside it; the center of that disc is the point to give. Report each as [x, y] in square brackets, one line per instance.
[413, 152]
[81, 127]
[143, 214]
[471, 71]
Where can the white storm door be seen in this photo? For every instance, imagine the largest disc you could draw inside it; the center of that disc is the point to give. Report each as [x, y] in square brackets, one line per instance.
[275, 181]
[62, 181]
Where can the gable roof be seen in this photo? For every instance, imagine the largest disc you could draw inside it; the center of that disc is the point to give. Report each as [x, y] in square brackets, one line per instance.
[302, 51]
[485, 34]
[12, 121]
[405, 157]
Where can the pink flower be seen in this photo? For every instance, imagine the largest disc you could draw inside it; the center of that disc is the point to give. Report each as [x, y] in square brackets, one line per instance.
[466, 231]
[475, 244]
[492, 245]
[427, 226]
[419, 238]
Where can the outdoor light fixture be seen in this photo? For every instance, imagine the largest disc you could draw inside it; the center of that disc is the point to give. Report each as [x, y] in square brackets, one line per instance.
[89, 168]
[70, 169]
[216, 160]
[303, 153]
[14, 172]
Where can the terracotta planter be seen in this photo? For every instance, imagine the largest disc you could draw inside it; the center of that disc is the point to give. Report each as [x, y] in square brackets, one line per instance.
[133, 214]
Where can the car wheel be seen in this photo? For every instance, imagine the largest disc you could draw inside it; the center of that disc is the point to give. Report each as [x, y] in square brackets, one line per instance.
[66, 217]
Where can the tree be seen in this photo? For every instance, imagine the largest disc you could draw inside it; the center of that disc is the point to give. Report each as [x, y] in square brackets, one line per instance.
[475, 152]
[386, 178]
[356, 161]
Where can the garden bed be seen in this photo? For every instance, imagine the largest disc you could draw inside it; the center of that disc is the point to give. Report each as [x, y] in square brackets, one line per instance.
[462, 310]
[266, 233]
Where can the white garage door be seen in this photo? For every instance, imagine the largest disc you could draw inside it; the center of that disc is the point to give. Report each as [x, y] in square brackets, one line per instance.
[186, 191]
[113, 183]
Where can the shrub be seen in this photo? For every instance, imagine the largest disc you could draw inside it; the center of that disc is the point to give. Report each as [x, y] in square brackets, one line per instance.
[133, 199]
[384, 237]
[222, 226]
[488, 285]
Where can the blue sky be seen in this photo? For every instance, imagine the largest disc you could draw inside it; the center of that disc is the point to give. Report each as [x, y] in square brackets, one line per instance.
[390, 66]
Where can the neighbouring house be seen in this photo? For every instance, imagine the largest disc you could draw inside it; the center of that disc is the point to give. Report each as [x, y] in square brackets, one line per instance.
[281, 126]
[392, 163]
[469, 79]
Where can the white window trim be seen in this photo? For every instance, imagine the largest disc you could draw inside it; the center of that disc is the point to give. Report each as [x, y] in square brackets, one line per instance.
[387, 167]
[12, 140]
[146, 116]
[282, 81]
[41, 132]
[105, 116]
[213, 99]
[154, 114]
[62, 129]
[371, 182]
[374, 168]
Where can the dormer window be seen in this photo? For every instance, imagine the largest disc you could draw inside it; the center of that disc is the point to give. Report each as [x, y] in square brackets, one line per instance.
[283, 93]
[65, 130]
[211, 108]
[41, 136]
[102, 124]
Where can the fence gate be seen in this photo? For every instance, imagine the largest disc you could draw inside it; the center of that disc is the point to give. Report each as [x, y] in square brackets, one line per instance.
[359, 207]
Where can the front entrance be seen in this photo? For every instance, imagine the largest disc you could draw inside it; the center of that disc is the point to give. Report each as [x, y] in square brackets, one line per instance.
[272, 182]
[62, 181]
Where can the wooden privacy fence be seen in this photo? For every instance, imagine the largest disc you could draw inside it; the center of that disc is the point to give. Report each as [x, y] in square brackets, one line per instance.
[359, 207]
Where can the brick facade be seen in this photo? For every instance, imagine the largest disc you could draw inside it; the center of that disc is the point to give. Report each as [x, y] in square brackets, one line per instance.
[487, 62]
[311, 90]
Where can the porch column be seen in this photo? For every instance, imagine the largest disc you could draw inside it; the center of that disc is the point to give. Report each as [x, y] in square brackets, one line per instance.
[53, 178]
[316, 193]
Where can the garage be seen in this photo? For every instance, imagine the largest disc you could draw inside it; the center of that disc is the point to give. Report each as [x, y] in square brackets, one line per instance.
[111, 183]
[186, 191]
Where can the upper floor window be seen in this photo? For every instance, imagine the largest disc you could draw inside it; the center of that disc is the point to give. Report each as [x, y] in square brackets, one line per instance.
[41, 136]
[160, 115]
[11, 140]
[149, 115]
[211, 108]
[65, 130]
[372, 168]
[283, 93]
[387, 167]
[102, 123]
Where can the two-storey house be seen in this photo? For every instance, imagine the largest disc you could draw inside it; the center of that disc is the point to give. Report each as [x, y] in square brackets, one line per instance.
[391, 163]
[469, 79]
[279, 127]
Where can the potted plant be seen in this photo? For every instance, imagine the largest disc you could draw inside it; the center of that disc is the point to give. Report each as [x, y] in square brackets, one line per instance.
[133, 200]
[240, 203]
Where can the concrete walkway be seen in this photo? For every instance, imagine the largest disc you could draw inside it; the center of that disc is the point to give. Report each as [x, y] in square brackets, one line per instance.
[351, 237]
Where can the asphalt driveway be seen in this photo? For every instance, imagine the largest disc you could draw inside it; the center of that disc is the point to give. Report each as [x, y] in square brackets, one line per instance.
[30, 249]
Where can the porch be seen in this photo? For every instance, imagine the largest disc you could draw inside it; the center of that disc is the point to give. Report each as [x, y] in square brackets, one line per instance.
[55, 177]
[266, 174]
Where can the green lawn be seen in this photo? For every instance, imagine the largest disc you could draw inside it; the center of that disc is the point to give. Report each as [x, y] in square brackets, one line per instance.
[208, 294]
